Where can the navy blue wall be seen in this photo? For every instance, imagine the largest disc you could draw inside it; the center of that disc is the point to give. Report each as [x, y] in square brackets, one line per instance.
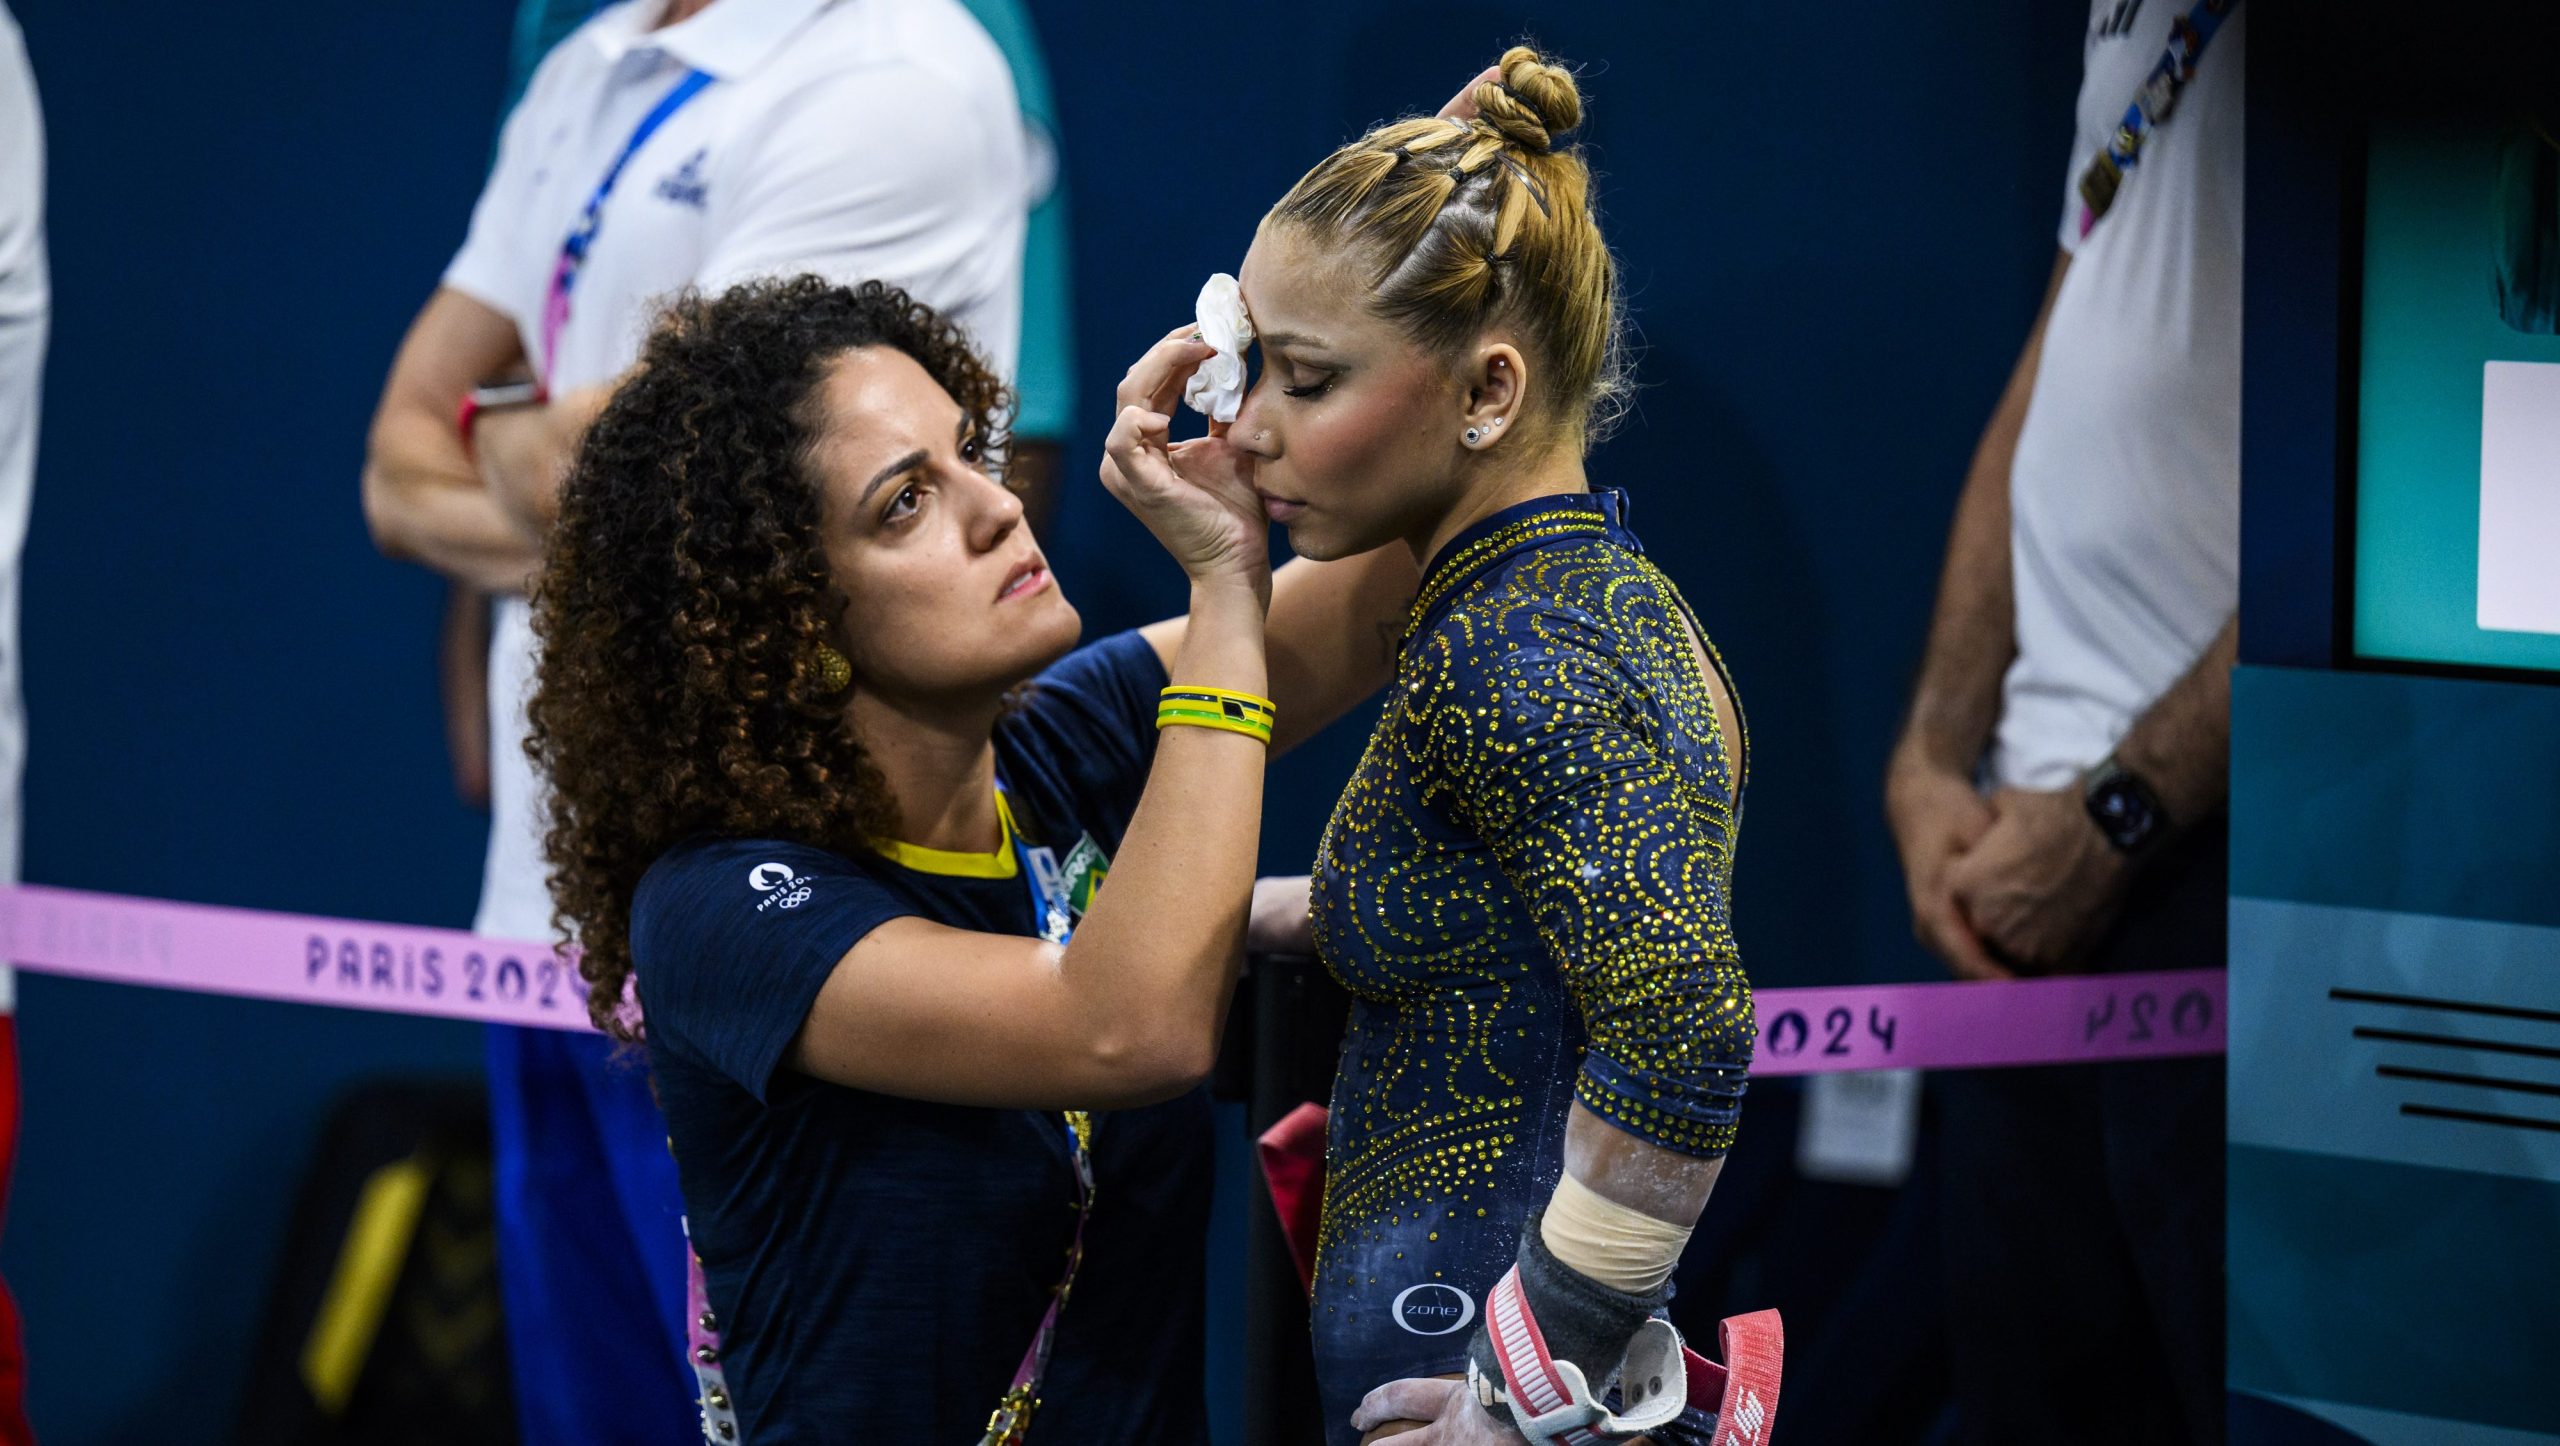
[1834, 221]
[232, 698]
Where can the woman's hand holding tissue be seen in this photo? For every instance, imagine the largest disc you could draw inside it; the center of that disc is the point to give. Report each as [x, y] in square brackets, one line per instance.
[1216, 390]
[1196, 496]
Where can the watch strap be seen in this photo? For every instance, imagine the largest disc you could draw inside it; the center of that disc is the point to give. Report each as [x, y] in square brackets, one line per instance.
[2124, 806]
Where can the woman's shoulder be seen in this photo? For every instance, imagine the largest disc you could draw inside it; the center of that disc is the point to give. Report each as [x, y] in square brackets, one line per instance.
[709, 879]
[732, 937]
[705, 857]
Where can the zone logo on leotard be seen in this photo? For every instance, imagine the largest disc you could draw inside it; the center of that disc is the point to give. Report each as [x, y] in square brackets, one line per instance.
[781, 887]
[1433, 1309]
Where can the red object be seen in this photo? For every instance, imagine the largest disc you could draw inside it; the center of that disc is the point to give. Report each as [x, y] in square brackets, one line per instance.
[1293, 1166]
[14, 1430]
[1743, 1392]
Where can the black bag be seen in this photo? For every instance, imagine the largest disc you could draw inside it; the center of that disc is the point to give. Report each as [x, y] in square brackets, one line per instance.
[384, 1325]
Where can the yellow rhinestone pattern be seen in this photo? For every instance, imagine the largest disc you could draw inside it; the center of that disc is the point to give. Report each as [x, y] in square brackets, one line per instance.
[1526, 887]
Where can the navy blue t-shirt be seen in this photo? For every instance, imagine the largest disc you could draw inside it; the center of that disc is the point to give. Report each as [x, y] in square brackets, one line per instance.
[879, 1264]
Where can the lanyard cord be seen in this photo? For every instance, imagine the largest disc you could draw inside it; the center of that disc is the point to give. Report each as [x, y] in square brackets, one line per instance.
[1012, 1415]
[582, 236]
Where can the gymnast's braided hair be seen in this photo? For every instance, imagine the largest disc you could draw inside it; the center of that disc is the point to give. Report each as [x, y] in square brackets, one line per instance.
[1471, 224]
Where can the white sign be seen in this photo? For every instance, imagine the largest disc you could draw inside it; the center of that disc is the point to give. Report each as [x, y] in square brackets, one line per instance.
[2520, 497]
[1860, 1129]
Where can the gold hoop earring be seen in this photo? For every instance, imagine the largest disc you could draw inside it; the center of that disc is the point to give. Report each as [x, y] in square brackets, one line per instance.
[835, 670]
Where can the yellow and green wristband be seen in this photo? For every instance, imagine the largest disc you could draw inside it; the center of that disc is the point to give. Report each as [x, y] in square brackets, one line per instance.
[1196, 707]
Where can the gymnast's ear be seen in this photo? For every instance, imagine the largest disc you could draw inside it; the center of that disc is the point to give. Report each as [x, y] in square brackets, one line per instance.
[1497, 380]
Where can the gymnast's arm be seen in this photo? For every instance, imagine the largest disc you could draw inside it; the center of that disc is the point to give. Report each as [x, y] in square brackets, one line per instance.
[1624, 864]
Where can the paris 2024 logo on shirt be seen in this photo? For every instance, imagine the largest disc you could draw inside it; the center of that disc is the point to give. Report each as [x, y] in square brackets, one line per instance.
[782, 889]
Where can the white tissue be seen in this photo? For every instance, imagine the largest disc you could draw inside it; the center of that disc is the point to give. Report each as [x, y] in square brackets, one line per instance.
[1217, 389]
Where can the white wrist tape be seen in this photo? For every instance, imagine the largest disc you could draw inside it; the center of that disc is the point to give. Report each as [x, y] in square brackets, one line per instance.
[1614, 1245]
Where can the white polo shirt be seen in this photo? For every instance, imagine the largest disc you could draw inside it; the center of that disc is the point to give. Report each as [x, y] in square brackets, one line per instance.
[859, 139]
[2124, 497]
[26, 307]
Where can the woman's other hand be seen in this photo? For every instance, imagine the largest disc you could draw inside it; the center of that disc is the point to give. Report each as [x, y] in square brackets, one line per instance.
[1197, 496]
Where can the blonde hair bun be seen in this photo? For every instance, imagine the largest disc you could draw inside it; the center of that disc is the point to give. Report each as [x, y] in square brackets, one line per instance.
[1484, 223]
[1533, 103]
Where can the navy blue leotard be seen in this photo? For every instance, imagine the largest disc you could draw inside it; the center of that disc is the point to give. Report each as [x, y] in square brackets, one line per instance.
[1526, 889]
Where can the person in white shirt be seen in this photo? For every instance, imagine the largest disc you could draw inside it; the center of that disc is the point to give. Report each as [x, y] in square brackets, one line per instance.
[665, 145]
[2079, 665]
[26, 310]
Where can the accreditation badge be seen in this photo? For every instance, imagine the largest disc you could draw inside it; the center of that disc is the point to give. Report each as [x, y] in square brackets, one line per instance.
[1081, 874]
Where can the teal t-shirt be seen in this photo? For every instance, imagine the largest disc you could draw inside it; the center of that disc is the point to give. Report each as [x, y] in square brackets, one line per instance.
[1046, 378]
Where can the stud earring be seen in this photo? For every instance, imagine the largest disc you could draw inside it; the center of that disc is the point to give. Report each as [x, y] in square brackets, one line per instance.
[835, 671]
[1473, 436]
[1497, 422]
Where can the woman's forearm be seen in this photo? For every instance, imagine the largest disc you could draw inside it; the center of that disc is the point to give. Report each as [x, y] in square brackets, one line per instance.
[1154, 961]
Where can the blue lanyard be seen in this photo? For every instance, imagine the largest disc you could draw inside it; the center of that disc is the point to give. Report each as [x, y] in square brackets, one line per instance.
[582, 237]
[2151, 106]
[1049, 916]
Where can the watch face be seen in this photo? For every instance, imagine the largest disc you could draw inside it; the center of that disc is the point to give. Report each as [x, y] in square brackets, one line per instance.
[2123, 812]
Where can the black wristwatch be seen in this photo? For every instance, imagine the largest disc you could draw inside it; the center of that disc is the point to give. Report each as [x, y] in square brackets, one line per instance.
[2123, 807]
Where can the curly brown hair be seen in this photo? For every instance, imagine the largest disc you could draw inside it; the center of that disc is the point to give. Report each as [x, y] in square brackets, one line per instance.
[684, 594]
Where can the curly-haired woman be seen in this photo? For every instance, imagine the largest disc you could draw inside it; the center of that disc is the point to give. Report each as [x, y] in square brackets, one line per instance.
[802, 795]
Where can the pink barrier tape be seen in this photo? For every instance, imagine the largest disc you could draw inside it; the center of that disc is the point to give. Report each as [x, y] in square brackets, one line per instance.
[351, 963]
[2074, 1019]
[404, 969]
